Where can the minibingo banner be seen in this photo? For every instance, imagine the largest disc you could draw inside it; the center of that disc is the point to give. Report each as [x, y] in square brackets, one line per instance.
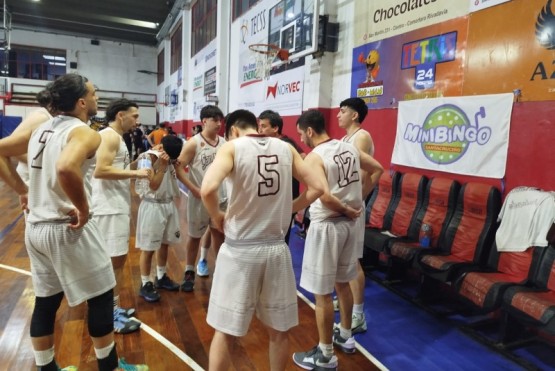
[461, 135]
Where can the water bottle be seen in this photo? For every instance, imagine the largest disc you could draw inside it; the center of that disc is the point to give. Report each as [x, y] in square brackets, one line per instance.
[425, 235]
[142, 185]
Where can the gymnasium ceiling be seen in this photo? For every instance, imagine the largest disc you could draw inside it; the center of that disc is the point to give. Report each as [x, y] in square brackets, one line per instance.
[133, 21]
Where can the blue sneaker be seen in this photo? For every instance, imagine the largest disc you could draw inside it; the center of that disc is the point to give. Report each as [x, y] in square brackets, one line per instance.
[127, 312]
[124, 325]
[202, 268]
[124, 366]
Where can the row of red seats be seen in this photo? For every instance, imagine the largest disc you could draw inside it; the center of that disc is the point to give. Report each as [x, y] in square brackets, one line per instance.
[462, 251]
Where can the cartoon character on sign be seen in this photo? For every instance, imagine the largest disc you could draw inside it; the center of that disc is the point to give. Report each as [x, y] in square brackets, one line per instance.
[372, 62]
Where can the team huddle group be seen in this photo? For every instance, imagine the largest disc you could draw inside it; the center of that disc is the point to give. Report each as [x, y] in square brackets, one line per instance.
[74, 185]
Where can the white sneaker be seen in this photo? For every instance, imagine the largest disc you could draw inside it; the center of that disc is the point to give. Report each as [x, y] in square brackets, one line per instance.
[358, 323]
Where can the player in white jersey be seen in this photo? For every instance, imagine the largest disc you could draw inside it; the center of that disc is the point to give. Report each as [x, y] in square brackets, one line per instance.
[158, 219]
[254, 270]
[330, 246]
[63, 244]
[198, 153]
[31, 122]
[111, 197]
[352, 112]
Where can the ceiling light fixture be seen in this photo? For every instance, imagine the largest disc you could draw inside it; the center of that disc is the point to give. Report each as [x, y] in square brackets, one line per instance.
[128, 21]
[54, 58]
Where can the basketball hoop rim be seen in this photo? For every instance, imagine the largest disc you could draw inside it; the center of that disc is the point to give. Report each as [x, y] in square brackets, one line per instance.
[272, 49]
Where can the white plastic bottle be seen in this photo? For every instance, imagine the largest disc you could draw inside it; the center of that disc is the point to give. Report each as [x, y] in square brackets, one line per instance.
[142, 185]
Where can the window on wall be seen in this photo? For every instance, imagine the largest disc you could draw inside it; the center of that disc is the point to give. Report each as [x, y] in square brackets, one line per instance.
[204, 24]
[160, 69]
[241, 6]
[176, 44]
[33, 63]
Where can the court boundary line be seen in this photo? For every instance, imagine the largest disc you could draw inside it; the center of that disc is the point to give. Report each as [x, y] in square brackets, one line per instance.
[170, 346]
[9, 227]
[149, 330]
[359, 347]
[14, 269]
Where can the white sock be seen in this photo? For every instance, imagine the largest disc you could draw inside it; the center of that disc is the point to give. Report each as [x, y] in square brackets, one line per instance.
[358, 308]
[327, 349]
[116, 301]
[44, 357]
[145, 279]
[189, 268]
[345, 334]
[160, 271]
[203, 253]
[104, 352]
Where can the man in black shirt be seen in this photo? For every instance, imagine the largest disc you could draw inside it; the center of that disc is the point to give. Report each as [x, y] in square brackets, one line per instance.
[138, 142]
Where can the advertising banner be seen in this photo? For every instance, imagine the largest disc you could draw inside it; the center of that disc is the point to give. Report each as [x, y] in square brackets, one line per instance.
[204, 77]
[476, 5]
[425, 63]
[283, 90]
[381, 19]
[510, 49]
[461, 135]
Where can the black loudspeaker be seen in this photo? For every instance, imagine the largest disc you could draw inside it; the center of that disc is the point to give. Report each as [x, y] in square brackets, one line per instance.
[328, 34]
[12, 64]
[73, 65]
[95, 42]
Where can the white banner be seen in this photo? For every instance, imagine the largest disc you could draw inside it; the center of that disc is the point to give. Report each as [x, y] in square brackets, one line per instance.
[203, 70]
[462, 135]
[476, 5]
[283, 91]
[379, 19]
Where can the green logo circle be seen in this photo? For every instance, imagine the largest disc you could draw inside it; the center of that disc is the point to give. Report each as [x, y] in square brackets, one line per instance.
[438, 142]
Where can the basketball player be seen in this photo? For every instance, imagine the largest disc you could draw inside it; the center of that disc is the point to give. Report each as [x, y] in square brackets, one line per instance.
[270, 124]
[330, 248]
[199, 152]
[64, 245]
[31, 122]
[352, 112]
[254, 257]
[158, 219]
[111, 196]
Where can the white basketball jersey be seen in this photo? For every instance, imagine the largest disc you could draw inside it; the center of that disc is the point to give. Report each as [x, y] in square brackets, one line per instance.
[168, 187]
[204, 155]
[352, 138]
[22, 168]
[259, 191]
[109, 196]
[342, 167]
[47, 200]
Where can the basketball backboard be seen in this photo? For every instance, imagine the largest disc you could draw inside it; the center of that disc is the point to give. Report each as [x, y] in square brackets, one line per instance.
[294, 26]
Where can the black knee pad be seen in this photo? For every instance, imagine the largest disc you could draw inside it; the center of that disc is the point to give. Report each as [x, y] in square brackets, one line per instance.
[44, 314]
[101, 314]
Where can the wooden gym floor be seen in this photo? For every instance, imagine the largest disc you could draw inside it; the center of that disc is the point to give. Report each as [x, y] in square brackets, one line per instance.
[174, 334]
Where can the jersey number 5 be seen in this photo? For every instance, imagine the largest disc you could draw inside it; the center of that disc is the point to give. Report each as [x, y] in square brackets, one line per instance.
[270, 177]
[36, 163]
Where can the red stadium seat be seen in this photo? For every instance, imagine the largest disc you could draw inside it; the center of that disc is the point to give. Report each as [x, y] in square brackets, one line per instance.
[400, 221]
[379, 205]
[534, 303]
[468, 237]
[484, 289]
[439, 205]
